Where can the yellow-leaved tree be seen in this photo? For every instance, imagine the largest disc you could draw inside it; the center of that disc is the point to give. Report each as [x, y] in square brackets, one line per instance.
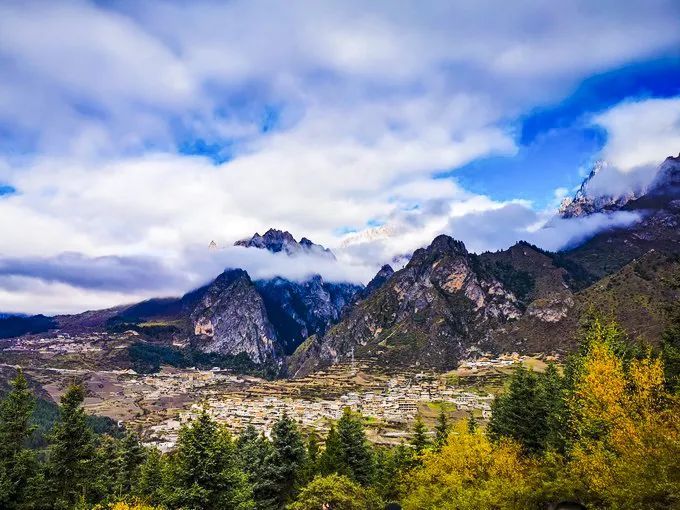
[133, 506]
[626, 450]
[472, 472]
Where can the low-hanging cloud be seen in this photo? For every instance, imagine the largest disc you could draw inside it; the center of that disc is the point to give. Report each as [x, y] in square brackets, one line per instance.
[110, 273]
[133, 278]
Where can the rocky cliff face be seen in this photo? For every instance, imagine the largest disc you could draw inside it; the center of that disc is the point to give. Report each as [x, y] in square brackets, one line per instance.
[302, 309]
[428, 313]
[230, 318]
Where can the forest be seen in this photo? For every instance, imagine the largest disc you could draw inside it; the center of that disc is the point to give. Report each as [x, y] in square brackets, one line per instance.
[602, 431]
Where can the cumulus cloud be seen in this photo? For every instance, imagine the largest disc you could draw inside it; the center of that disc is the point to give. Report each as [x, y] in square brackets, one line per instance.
[323, 117]
[499, 228]
[641, 134]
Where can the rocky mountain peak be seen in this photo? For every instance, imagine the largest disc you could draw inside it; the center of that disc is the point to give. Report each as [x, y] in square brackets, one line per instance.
[588, 199]
[230, 318]
[277, 241]
[376, 282]
[442, 245]
[669, 174]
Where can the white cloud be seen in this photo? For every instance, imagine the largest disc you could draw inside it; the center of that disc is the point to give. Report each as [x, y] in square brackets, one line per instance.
[370, 101]
[641, 134]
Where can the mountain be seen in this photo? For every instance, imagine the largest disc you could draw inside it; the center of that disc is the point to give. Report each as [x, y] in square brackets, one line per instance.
[447, 303]
[17, 325]
[301, 309]
[277, 241]
[587, 199]
[234, 315]
[376, 282]
[443, 305]
[658, 228]
[230, 318]
[427, 313]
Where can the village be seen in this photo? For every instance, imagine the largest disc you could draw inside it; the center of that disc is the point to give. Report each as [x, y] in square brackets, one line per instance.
[156, 405]
[389, 404]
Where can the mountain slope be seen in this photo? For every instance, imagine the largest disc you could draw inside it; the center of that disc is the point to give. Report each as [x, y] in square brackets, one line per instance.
[446, 302]
[429, 313]
[265, 319]
[230, 318]
[298, 310]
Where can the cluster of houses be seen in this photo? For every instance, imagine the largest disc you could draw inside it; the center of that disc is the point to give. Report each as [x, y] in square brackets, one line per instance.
[488, 361]
[391, 407]
[60, 344]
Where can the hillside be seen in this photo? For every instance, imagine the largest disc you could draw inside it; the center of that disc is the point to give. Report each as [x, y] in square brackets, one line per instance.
[447, 303]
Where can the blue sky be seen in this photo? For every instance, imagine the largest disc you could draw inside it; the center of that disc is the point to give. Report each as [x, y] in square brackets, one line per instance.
[557, 141]
[134, 133]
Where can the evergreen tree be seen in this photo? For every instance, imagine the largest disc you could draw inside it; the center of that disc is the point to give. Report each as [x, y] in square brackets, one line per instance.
[330, 461]
[518, 413]
[390, 466]
[204, 471]
[313, 457]
[288, 459]
[552, 400]
[133, 456]
[17, 463]
[71, 453]
[106, 483]
[441, 429]
[255, 453]
[356, 456]
[472, 423]
[419, 441]
[150, 481]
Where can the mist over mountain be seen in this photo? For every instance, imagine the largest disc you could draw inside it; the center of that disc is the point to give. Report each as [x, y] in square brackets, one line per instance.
[445, 303]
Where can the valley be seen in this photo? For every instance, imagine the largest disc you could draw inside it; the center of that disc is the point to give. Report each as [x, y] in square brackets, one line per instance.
[155, 405]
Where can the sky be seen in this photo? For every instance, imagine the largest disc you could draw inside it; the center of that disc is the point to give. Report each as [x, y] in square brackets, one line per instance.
[133, 133]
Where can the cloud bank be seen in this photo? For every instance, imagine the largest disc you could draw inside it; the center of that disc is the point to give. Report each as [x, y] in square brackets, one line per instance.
[131, 132]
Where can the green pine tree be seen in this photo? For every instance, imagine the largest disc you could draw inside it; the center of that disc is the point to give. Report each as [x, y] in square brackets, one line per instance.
[390, 465]
[288, 459]
[255, 453]
[356, 455]
[313, 457]
[150, 481]
[552, 400]
[107, 473]
[419, 441]
[205, 474]
[17, 463]
[518, 413]
[71, 454]
[442, 429]
[330, 460]
[133, 456]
